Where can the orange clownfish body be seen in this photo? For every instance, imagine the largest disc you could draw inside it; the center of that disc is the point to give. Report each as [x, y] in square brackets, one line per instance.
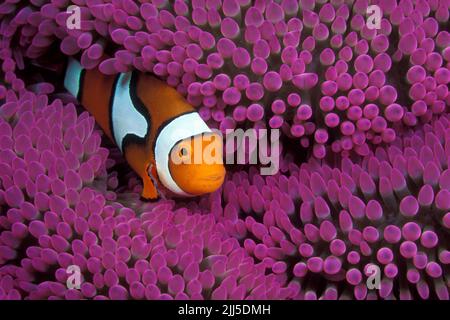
[153, 126]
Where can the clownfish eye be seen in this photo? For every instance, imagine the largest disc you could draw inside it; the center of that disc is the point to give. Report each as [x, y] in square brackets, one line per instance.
[183, 152]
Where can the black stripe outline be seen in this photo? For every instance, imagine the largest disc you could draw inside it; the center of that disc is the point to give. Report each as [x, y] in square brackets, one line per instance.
[110, 107]
[138, 105]
[81, 85]
[137, 102]
[165, 123]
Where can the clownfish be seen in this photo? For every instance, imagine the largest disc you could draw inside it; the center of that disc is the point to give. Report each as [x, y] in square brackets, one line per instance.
[151, 124]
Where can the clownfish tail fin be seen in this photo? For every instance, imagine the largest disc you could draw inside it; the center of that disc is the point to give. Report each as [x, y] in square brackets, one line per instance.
[73, 79]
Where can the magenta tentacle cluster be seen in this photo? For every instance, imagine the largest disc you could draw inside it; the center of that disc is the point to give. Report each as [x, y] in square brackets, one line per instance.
[317, 221]
[367, 110]
[266, 63]
[58, 209]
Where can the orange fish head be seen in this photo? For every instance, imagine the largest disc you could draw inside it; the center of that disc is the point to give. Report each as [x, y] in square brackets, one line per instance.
[196, 164]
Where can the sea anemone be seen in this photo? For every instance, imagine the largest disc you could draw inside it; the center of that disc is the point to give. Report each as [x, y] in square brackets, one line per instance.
[320, 226]
[58, 209]
[314, 69]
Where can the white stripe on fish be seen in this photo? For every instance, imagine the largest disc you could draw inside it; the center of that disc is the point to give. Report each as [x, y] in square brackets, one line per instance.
[125, 118]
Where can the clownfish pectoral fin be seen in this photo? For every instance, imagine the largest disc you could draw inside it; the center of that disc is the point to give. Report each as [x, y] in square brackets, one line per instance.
[150, 190]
